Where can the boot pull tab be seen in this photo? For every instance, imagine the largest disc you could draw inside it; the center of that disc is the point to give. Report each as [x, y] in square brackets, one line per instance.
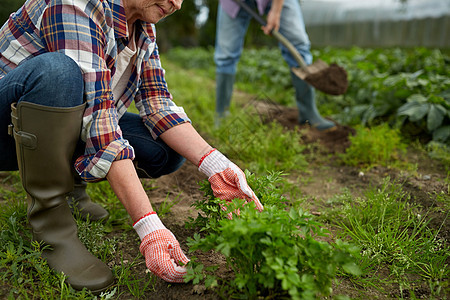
[25, 139]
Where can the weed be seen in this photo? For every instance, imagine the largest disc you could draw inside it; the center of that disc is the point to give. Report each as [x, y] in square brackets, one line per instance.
[197, 273]
[444, 199]
[393, 234]
[166, 206]
[266, 188]
[441, 152]
[378, 145]
[136, 285]
[93, 236]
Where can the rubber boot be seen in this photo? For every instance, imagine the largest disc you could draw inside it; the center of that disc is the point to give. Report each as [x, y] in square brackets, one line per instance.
[80, 203]
[306, 104]
[224, 90]
[45, 140]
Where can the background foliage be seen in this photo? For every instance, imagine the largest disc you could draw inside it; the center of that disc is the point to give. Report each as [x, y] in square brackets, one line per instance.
[407, 88]
[7, 7]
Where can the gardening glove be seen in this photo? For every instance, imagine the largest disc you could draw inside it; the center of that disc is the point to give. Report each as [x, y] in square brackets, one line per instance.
[227, 180]
[161, 249]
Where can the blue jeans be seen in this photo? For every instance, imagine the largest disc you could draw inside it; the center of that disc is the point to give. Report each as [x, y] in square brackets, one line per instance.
[55, 80]
[230, 34]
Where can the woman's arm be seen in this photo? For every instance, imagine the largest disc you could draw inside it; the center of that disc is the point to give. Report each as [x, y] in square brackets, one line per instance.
[123, 178]
[185, 140]
[126, 185]
[162, 252]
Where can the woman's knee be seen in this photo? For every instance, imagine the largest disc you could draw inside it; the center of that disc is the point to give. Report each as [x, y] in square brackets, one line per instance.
[167, 163]
[177, 162]
[173, 162]
[59, 69]
[58, 76]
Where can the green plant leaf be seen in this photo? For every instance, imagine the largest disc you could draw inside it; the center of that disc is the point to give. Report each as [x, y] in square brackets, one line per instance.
[435, 117]
[442, 133]
[352, 268]
[414, 110]
[417, 98]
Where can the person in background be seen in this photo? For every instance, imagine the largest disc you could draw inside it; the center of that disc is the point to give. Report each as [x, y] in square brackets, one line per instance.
[68, 72]
[284, 16]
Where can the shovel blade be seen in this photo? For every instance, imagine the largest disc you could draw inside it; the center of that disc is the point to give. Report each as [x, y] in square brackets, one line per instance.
[314, 68]
[328, 79]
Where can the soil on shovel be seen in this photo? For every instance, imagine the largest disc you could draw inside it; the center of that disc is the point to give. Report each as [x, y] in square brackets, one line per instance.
[332, 80]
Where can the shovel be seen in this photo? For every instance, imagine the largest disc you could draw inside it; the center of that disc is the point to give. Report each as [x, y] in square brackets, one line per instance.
[330, 79]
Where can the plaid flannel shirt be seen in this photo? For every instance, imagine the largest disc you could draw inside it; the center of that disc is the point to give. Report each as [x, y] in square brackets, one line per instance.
[92, 33]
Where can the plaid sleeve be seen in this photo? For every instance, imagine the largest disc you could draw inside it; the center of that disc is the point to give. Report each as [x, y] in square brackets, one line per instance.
[83, 31]
[154, 100]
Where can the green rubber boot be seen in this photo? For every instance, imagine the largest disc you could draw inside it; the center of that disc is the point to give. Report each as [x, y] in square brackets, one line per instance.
[80, 203]
[306, 104]
[224, 90]
[45, 142]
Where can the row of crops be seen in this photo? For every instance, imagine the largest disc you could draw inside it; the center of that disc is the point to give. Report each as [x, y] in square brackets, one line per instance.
[407, 88]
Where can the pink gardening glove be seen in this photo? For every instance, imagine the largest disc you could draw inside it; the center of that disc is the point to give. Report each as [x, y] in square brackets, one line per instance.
[161, 249]
[227, 180]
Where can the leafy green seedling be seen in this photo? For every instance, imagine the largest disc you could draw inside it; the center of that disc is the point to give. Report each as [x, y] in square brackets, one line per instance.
[276, 252]
[272, 253]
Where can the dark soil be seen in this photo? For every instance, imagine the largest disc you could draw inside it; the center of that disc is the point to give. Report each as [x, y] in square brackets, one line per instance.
[332, 80]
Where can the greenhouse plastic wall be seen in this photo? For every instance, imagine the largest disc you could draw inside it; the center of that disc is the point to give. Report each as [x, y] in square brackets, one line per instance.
[345, 24]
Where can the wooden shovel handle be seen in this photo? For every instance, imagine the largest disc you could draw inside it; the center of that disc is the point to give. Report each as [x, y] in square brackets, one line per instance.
[298, 58]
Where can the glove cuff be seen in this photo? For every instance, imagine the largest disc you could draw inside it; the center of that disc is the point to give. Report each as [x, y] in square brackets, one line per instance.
[147, 224]
[213, 162]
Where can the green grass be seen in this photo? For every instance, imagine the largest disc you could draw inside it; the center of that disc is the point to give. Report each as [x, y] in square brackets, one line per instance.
[136, 284]
[394, 235]
[261, 147]
[440, 152]
[102, 193]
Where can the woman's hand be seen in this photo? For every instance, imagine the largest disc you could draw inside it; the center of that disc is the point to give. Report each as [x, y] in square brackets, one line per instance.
[227, 179]
[162, 252]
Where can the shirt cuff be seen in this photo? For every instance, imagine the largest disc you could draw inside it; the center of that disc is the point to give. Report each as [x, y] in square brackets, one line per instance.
[95, 167]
